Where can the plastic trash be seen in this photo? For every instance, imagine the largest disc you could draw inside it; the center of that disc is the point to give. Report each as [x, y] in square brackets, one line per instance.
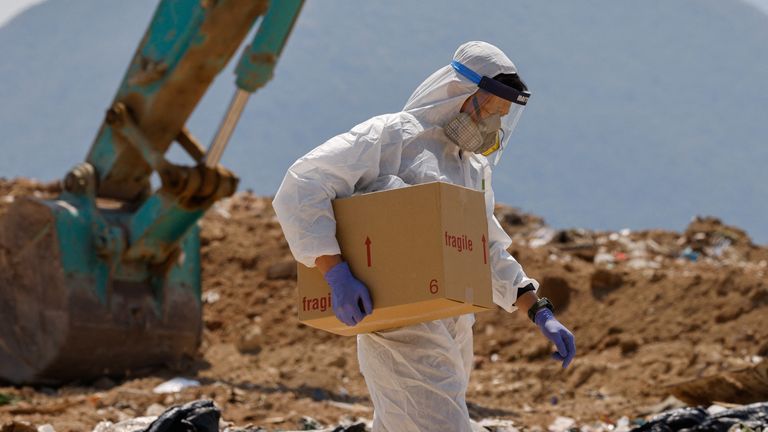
[496, 425]
[754, 417]
[622, 425]
[604, 258]
[720, 246]
[561, 424]
[175, 385]
[690, 254]
[211, 297]
[197, 416]
[308, 423]
[137, 424]
[542, 236]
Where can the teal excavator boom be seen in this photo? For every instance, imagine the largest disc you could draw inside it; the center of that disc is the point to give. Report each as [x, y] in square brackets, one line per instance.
[105, 278]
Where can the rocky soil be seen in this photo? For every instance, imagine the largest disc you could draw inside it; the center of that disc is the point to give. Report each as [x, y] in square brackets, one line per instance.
[648, 309]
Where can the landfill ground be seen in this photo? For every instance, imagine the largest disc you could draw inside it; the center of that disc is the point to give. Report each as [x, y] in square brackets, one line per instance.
[648, 309]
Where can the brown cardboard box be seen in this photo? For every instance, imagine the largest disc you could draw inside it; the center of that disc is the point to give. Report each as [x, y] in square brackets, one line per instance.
[422, 252]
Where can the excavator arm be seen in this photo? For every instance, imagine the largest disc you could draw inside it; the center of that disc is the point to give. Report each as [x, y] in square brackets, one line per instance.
[106, 278]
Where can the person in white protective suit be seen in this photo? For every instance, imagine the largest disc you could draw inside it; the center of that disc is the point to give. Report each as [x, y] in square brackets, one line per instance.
[452, 129]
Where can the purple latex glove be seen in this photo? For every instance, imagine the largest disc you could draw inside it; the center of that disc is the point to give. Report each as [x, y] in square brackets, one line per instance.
[350, 299]
[558, 334]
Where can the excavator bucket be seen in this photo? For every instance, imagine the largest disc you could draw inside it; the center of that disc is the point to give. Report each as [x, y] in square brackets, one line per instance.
[105, 278]
[65, 312]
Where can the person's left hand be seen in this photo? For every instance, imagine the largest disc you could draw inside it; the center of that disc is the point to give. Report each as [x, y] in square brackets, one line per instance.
[559, 335]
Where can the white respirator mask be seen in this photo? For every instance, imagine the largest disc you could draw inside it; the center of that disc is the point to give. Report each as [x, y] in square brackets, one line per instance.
[486, 125]
[477, 137]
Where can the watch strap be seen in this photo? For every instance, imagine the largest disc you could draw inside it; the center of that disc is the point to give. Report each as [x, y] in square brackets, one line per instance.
[541, 303]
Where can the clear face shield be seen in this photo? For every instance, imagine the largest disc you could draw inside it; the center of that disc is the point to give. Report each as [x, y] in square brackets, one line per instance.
[496, 119]
[495, 108]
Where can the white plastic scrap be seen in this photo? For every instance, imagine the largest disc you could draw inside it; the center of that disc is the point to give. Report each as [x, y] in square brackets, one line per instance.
[720, 246]
[622, 425]
[542, 236]
[498, 425]
[211, 297]
[175, 385]
[221, 208]
[715, 409]
[642, 263]
[137, 424]
[561, 424]
[603, 257]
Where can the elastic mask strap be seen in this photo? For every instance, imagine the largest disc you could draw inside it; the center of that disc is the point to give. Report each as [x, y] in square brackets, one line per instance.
[476, 106]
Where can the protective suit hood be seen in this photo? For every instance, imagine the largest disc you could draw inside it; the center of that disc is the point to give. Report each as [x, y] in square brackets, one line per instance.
[440, 97]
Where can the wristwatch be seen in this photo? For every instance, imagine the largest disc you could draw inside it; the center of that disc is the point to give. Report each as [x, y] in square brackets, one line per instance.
[541, 303]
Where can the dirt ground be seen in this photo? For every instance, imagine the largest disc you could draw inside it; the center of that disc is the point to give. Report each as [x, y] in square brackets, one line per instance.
[648, 309]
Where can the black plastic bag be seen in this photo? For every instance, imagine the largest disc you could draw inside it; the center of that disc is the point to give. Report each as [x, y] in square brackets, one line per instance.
[196, 416]
[754, 416]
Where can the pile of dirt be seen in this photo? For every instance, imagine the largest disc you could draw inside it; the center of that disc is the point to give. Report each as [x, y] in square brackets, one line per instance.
[648, 309]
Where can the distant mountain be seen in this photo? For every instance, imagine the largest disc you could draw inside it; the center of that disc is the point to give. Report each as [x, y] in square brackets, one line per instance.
[643, 114]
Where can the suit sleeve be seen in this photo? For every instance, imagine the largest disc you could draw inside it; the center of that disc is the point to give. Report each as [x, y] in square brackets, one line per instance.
[339, 167]
[507, 274]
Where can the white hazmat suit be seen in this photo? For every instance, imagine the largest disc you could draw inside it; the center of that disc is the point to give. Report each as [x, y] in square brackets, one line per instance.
[418, 375]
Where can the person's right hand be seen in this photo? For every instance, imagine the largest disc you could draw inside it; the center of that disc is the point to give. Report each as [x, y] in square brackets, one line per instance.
[350, 299]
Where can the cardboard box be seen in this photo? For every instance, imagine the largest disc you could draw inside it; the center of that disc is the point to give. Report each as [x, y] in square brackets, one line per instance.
[422, 252]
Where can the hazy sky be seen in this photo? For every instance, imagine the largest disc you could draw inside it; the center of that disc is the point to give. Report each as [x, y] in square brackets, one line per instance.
[674, 180]
[11, 8]
[760, 4]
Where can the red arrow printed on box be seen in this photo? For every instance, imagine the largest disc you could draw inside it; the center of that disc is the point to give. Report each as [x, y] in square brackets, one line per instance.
[485, 251]
[368, 249]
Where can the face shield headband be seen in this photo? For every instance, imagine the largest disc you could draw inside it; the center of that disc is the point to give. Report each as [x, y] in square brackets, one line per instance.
[509, 121]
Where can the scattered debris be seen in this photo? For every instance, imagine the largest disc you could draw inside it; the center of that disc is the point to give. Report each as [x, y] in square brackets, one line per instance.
[197, 416]
[747, 418]
[308, 423]
[561, 424]
[660, 318]
[667, 404]
[175, 385]
[496, 425]
[138, 424]
[211, 297]
[542, 237]
[350, 407]
[690, 254]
